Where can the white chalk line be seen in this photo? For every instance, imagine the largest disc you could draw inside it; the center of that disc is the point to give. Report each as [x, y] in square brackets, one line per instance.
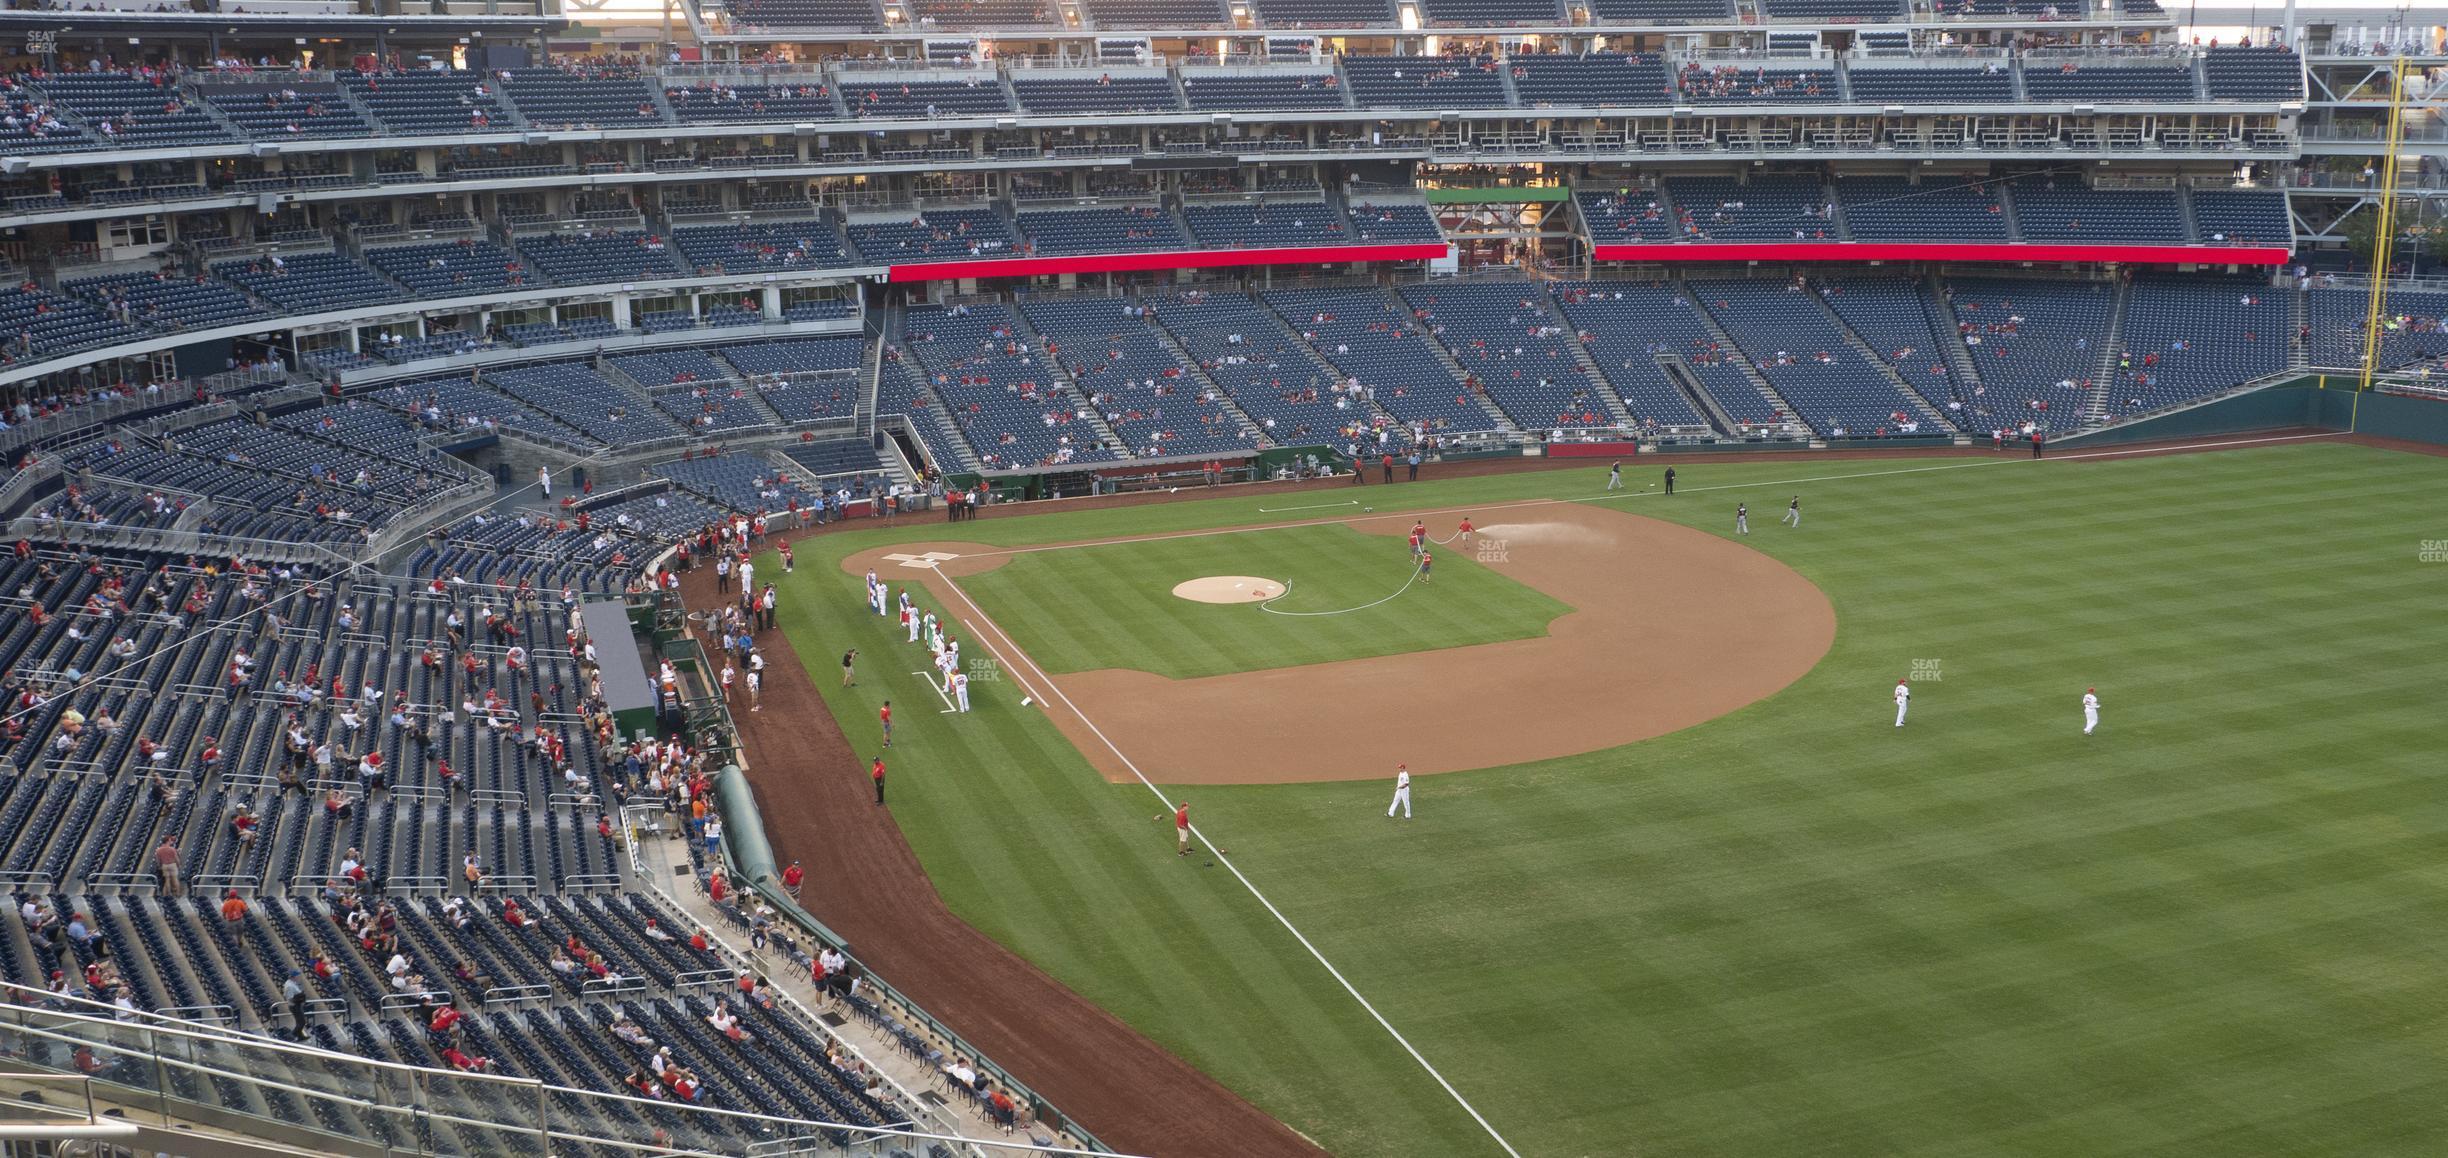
[940, 693]
[1229, 866]
[1473, 508]
[1311, 507]
[1269, 605]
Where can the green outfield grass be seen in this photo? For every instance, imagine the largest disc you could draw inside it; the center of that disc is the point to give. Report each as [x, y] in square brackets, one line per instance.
[1098, 607]
[2214, 928]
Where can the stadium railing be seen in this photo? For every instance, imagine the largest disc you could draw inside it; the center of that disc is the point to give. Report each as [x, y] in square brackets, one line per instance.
[182, 1073]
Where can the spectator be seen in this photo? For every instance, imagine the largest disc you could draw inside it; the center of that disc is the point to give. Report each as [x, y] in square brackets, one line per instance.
[166, 865]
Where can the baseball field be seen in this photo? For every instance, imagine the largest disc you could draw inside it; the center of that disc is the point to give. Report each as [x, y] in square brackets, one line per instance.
[1675, 882]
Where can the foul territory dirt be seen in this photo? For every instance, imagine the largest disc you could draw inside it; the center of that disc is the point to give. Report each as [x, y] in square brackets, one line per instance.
[865, 883]
[1671, 627]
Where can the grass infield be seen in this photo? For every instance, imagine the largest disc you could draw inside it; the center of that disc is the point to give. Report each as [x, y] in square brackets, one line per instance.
[1113, 606]
[2211, 929]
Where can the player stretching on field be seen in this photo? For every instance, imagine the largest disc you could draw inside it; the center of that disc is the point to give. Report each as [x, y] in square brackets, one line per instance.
[1426, 562]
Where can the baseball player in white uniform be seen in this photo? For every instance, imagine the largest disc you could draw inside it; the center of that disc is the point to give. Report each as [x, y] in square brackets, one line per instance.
[2090, 709]
[910, 619]
[960, 689]
[1742, 518]
[1903, 697]
[1793, 512]
[1402, 791]
[905, 599]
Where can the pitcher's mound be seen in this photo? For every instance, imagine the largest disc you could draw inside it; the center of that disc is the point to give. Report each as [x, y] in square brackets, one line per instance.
[1227, 589]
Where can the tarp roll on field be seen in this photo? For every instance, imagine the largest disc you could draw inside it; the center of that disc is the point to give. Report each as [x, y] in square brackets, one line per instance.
[752, 857]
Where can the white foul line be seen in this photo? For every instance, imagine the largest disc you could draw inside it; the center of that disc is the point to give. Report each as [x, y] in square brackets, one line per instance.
[1235, 870]
[1311, 507]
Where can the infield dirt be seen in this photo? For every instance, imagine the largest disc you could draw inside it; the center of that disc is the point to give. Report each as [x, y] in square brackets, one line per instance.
[1672, 627]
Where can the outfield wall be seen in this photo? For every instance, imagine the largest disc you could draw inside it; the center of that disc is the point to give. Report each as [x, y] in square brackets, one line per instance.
[2322, 401]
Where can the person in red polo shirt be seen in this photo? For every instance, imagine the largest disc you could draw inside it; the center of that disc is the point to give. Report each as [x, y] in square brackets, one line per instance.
[877, 773]
[1181, 827]
[791, 879]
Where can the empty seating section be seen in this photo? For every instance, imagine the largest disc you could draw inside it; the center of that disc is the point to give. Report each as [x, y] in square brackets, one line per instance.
[2032, 342]
[983, 13]
[1734, 84]
[1381, 223]
[1801, 350]
[2412, 331]
[1630, 326]
[1489, 13]
[2069, 211]
[1116, 357]
[125, 111]
[1660, 11]
[2253, 74]
[1364, 336]
[760, 246]
[1156, 13]
[840, 456]
[1933, 86]
[1001, 396]
[582, 398]
[1942, 208]
[425, 102]
[1520, 355]
[168, 303]
[554, 98]
[1626, 215]
[1767, 208]
[726, 104]
[714, 408]
[288, 109]
[934, 235]
[1256, 225]
[666, 367]
[1896, 318]
[1424, 82]
[1860, 11]
[457, 405]
[1136, 229]
[1271, 89]
[807, 14]
[1599, 80]
[613, 255]
[900, 99]
[1057, 96]
[1275, 380]
[308, 282]
[2243, 217]
[804, 379]
[33, 322]
[1282, 14]
[2183, 338]
[2105, 84]
[446, 269]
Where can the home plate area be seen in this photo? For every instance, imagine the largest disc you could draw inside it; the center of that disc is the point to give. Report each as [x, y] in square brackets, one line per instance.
[1227, 589]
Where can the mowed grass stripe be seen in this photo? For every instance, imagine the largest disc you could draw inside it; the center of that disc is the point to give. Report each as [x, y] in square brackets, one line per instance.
[1092, 607]
[2211, 929]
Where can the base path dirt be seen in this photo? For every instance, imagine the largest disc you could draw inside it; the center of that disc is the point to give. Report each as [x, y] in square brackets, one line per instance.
[865, 883]
[1671, 627]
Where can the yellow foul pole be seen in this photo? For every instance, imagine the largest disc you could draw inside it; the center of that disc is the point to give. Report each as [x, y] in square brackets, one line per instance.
[2384, 235]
